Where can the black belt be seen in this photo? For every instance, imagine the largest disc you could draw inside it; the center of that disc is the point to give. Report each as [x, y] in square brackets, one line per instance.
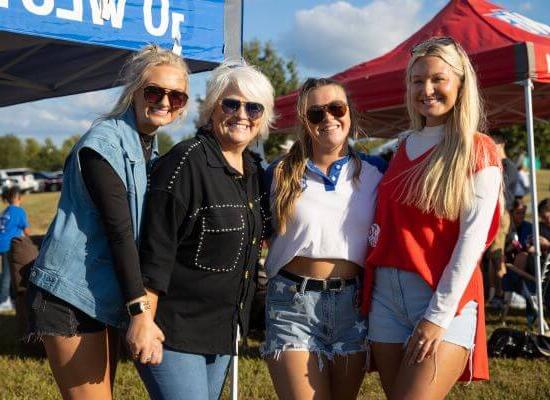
[319, 285]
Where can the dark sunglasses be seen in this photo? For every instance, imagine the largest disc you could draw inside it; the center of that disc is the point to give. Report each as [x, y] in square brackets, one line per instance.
[155, 94]
[232, 106]
[444, 40]
[316, 114]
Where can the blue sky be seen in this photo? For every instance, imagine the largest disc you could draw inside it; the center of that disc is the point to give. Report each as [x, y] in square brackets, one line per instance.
[324, 37]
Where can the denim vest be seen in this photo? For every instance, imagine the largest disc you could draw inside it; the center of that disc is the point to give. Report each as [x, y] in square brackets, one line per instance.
[75, 262]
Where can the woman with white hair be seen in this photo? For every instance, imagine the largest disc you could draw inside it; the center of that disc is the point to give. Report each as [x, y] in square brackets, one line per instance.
[204, 224]
[438, 209]
[86, 279]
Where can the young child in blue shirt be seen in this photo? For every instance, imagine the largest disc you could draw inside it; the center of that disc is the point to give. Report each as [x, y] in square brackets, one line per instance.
[13, 223]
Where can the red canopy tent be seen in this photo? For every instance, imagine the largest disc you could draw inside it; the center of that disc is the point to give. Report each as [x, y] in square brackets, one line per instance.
[511, 54]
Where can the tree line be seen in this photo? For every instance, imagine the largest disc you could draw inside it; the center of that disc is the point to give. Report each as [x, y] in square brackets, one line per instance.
[47, 156]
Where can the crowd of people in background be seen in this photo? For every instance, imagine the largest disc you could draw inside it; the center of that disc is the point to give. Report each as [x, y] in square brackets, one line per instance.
[373, 262]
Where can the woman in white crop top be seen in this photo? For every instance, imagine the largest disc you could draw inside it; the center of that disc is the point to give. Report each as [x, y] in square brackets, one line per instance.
[322, 198]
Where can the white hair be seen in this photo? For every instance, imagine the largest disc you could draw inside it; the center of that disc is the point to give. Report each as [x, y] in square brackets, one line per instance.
[249, 81]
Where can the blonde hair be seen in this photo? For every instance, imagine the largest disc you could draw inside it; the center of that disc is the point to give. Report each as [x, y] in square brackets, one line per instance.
[134, 73]
[441, 184]
[289, 171]
[249, 81]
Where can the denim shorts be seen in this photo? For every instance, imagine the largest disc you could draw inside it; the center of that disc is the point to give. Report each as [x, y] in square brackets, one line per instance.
[51, 316]
[327, 322]
[399, 301]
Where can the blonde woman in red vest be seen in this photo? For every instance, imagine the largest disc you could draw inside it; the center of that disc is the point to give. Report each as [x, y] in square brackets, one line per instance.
[438, 209]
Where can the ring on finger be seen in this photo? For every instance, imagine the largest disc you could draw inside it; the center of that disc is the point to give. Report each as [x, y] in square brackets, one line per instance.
[421, 342]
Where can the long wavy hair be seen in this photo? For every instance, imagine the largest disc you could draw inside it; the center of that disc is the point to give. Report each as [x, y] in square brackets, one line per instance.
[441, 184]
[290, 170]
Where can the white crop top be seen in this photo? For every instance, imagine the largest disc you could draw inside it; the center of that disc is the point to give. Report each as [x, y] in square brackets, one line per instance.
[332, 215]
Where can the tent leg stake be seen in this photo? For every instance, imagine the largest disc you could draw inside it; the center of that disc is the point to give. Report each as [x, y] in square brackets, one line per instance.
[528, 87]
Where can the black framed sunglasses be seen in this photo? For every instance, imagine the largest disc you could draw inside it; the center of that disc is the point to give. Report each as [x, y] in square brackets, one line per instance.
[155, 94]
[232, 106]
[316, 114]
[444, 40]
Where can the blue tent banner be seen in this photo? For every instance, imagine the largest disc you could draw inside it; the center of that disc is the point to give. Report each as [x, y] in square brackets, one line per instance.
[57, 47]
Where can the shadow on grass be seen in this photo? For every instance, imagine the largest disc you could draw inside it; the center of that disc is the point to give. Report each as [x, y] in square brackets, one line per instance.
[11, 344]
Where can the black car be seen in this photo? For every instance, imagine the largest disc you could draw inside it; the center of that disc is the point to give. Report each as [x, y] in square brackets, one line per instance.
[49, 181]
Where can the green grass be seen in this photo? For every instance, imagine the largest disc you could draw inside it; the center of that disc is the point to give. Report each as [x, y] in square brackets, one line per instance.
[28, 377]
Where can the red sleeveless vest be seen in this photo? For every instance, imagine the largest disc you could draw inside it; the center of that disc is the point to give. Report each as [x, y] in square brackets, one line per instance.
[405, 237]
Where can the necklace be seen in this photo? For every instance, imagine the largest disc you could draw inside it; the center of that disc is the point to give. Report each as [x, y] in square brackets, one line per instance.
[146, 142]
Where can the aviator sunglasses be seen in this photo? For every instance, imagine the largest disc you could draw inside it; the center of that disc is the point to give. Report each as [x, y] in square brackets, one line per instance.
[316, 114]
[232, 106]
[155, 94]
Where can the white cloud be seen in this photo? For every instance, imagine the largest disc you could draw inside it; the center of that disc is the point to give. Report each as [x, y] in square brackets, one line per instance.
[329, 38]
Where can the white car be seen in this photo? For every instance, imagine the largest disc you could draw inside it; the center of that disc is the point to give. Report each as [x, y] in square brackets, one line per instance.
[20, 177]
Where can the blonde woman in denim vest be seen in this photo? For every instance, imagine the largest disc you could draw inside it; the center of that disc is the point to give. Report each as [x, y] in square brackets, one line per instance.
[86, 279]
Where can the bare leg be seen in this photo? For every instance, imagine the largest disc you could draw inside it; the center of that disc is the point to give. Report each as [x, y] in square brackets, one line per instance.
[346, 376]
[387, 357]
[296, 376]
[81, 365]
[424, 382]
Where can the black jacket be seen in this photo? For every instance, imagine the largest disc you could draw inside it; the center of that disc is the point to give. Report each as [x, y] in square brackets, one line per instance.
[202, 231]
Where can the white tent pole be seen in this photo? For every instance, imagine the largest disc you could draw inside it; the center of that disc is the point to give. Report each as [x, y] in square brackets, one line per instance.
[528, 86]
[235, 368]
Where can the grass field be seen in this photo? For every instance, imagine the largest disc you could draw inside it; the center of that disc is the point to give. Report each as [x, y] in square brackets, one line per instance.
[28, 377]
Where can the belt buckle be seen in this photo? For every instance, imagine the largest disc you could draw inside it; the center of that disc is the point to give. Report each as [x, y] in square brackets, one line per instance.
[327, 284]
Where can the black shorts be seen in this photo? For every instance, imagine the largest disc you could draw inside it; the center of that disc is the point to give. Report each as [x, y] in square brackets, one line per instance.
[51, 316]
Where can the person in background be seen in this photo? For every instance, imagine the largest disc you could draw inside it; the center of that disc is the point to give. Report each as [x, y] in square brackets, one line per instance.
[520, 231]
[13, 223]
[323, 197]
[523, 183]
[496, 253]
[522, 280]
[86, 280]
[204, 223]
[438, 210]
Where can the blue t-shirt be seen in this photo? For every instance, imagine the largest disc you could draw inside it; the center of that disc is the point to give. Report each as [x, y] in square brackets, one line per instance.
[12, 222]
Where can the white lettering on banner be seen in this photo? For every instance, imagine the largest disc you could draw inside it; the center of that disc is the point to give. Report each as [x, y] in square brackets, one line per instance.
[4, 3]
[114, 12]
[96, 12]
[73, 15]
[164, 17]
[177, 20]
[521, 22]
[45, 9]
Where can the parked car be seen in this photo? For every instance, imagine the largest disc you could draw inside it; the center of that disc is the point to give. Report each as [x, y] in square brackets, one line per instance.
[49, 181]
[20, 177]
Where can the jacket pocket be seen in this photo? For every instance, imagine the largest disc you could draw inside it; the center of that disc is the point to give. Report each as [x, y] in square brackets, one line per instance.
[221, 239]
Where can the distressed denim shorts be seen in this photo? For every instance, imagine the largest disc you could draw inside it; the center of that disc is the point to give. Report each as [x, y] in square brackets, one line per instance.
[327, 322]
[51, 316]
[399, 301]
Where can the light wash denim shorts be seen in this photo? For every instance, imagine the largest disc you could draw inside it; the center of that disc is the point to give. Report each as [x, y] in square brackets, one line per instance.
[399, 301]
[327, 322]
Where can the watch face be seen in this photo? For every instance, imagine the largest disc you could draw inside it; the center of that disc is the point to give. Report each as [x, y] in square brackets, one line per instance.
[138, 307]
[135, 308]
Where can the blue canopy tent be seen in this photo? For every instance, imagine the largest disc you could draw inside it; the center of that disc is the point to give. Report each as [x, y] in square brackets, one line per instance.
[51, 48]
